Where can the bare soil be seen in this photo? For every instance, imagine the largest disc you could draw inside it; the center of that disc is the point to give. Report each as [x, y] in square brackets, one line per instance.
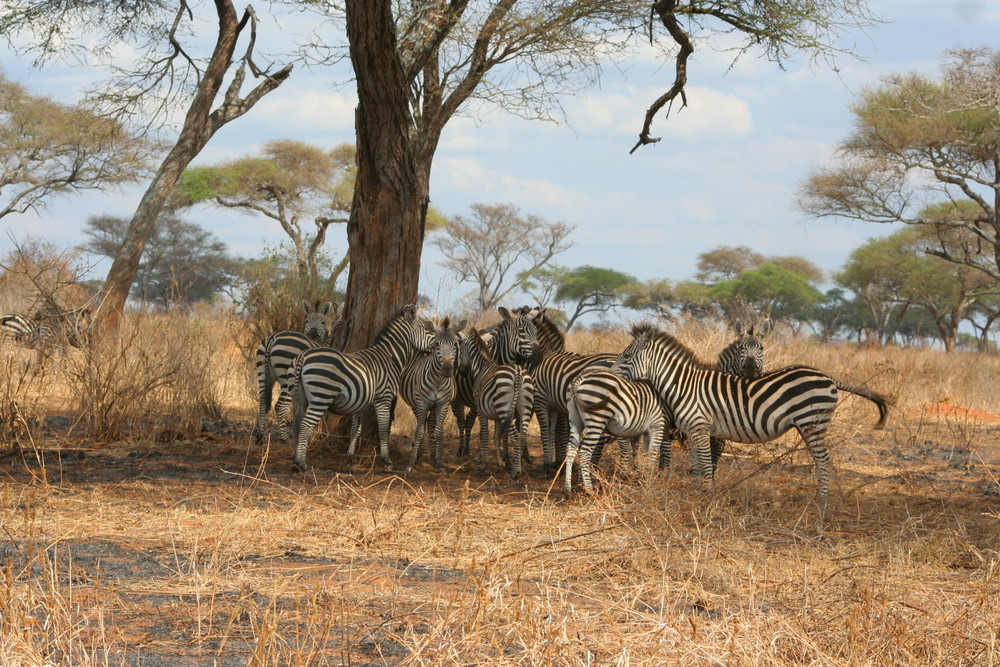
[209, 551]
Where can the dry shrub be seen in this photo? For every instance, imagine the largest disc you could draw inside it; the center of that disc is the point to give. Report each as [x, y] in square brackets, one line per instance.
[26, 376]
[170, 370]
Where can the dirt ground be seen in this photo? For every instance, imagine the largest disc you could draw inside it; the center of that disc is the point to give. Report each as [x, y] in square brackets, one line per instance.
[164, 551]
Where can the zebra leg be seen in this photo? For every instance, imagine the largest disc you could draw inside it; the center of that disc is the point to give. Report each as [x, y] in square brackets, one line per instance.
[281, 411]
[420, 414]
[264, 386]
[310, 418]
[437, 435]
[571, 453]
[718, 445]
[585, 454]
[355, 434]
[561, 433]
[814, 435]
[545, 425]
[484, 444]
[521, 439]
[701, 450]
[464, 432]
[383, 416]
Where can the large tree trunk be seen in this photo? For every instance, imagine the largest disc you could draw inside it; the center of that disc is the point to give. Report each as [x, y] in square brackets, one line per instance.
[200, 124]
[386, 229]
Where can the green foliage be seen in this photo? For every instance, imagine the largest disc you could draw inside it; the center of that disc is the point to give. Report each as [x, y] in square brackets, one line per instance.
[590, 289]
[769, 291]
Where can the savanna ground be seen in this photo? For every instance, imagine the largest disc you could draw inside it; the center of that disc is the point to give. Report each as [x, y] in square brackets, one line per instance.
[139, 526]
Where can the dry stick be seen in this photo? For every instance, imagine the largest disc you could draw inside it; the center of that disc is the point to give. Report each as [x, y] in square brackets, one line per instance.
[550, 542]
[761, 468]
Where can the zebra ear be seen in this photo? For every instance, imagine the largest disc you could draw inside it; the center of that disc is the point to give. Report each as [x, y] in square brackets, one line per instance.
[504, 313]
[327, 307]
[429, 326]
[461, 325]
[763, 328]
[305, 306]
[740, 331]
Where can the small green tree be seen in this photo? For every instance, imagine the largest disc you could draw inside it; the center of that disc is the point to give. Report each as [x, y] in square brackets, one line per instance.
[768, 291]
[291, 182]
[590, 289]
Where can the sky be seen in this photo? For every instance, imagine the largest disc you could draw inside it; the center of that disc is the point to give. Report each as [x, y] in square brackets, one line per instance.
[725, 173]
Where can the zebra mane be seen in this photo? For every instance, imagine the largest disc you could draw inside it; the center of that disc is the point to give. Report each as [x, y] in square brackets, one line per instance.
[549, 332]
[668, 341]
[477, 340]
[406, 311]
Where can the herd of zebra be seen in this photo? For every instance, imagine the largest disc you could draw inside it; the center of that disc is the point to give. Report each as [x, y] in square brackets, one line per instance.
[656, 388]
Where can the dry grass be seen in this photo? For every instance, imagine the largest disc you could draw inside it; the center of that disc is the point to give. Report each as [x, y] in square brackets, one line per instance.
[201, 549]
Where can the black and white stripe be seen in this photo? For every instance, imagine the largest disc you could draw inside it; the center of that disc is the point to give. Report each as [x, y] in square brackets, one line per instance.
[554, 371]
[47, 329]
[706, 402]
[347, 383]
[427, 384]
[603, 404]
[512, 340]
[745, 355]
[502, 393]
[274, 357]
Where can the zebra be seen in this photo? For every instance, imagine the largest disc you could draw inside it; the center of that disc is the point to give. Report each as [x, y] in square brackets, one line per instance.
[744, 356]
[427, 384]
[706, 402]
[503, 393]
[347, 383]
[273, 360]
[513, 340]
[601, 404]
[48, 328]
[554, 370]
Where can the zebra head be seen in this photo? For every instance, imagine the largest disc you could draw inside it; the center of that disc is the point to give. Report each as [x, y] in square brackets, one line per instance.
[516, 339]
[445, 343]
[745, 355]
[635, 360]
[315, 327]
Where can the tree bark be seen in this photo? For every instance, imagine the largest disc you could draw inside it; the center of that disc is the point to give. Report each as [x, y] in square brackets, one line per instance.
[200, 124]
[386, 230]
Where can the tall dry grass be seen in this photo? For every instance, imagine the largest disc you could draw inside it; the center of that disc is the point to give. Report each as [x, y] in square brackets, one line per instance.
[255, 566]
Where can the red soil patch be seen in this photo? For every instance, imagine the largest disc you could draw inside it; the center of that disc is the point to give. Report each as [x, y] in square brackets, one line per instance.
[944, 409]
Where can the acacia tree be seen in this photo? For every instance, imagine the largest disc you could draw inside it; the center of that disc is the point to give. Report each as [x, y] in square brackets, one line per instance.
[591, 289]
[418, 64]
[48, 149]
[183, 262]
[924, 152]
[291, 182]
[164, 72]
[497, 250]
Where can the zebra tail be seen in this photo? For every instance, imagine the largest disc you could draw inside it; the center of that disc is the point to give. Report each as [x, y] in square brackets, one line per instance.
[582, 405]
[299, 399]
[878, 399]
[515, 394]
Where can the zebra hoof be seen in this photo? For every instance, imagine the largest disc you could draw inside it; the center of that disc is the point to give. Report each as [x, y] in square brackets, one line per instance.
[387, 466]
[300, 467]
[256, 437]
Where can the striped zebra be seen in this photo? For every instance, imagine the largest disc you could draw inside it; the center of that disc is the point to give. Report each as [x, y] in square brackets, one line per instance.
[744, 356]
[707, 402]
[554, 371]
[603, 404]
[503, 393]
[513, 340]
[427, 384]
[348, 383]
[273, 360]
[47, 329]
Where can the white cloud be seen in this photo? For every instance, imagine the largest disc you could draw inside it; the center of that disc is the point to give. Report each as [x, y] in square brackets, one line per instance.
[710, 114]
[457, 176]
[294, 110]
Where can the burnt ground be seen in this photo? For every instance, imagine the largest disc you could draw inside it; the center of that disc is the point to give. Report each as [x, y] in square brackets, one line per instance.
[121, 535]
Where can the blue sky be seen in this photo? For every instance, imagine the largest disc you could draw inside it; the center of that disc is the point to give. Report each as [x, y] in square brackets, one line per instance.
[725, 173]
